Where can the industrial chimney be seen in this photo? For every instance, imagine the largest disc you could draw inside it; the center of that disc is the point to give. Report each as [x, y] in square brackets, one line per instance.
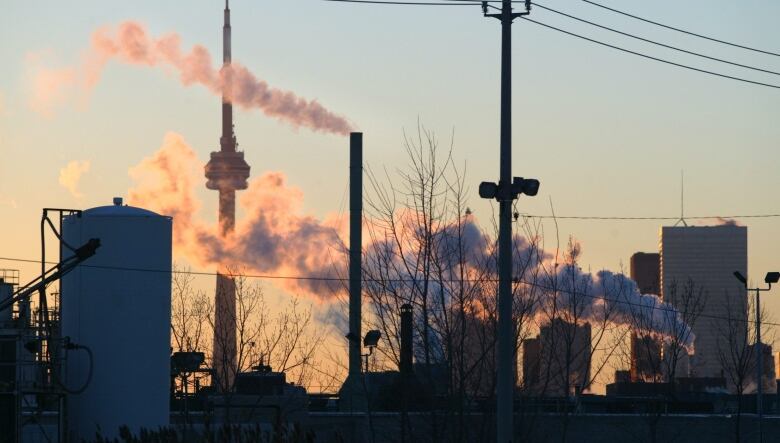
[352, 394]
[407, 346]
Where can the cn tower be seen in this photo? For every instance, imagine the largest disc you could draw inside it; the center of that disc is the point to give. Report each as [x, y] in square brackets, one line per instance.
[226, 172]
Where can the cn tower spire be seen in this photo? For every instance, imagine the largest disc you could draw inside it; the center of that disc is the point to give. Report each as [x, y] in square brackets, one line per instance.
[228, 139]
[226, 35]
[226, 172]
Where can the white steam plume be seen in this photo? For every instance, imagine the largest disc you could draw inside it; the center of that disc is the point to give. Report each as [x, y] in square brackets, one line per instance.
[71, 174]
[274, 238]
[130, 43]
[616, 298]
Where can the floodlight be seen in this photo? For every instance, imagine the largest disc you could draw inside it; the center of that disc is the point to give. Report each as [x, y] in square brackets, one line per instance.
[527, 186]
[372, 338]
[488, 190]
[740, 277]
[530, 187]
[772, 277]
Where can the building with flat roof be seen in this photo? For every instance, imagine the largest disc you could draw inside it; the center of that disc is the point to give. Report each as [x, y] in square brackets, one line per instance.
[700, 261]
[557, 362]
[646, 272]
[646, 350]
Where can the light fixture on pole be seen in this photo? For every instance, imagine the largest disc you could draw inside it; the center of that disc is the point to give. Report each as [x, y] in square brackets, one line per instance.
[370, 341]
[771, 277]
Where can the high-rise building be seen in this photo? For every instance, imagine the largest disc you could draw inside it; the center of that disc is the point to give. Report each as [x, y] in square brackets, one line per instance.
[646, 272]
[531, 356]
[557, 362]
[226, 172]
[645, 349]
[699, 263]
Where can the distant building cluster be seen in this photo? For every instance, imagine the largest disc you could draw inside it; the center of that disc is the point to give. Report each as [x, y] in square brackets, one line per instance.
[694, 272]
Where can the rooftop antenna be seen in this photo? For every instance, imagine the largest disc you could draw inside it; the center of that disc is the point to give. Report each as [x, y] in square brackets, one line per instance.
[682, 200]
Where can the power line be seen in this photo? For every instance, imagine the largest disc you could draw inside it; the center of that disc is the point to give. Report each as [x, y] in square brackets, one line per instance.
[706, 217]
[655, 42]
[682, 30]
[174, 271]
[679, 65]
[379, 2]
[408, 280]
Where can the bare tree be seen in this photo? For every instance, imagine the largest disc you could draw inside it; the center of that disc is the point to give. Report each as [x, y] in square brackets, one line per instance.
[737, 350]
[661, 336]
[189, 312]
[287, 340]
[689, 301]
[427, 250]
[577, 335]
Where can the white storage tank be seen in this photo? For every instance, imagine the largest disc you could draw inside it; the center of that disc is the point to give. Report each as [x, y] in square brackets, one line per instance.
[118, 304]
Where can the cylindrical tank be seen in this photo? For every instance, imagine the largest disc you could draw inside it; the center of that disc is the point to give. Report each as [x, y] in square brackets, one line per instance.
[118, 305]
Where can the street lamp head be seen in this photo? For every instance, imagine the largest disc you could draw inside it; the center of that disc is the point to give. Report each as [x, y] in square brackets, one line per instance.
[527, 186]
[530, 187]
[372, 338]
[740, 277]
[772, 277]
[488, 190]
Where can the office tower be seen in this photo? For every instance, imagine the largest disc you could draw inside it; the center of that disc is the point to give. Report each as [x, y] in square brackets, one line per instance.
[557, 362]
[700, 262]
[645, 350]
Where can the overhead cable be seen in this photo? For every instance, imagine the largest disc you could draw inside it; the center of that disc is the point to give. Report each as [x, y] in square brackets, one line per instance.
[410, 280]
[683, 30]
[706, 217]
[379, 2]
[650, 57]
[646, 40]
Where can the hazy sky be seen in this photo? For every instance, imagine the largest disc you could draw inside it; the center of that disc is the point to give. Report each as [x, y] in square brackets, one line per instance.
[606, 133]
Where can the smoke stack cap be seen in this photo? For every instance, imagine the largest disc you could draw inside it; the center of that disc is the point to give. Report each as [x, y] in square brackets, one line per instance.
[117, 201]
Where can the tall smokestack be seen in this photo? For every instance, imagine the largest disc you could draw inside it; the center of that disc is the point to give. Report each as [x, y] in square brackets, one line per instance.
[405, 367]
[352, 394]
[355, 247]
[226, 172]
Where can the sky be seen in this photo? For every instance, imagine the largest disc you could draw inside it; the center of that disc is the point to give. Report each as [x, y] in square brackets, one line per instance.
[606, 133]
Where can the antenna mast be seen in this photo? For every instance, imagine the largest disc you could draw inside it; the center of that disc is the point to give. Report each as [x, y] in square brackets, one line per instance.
[682, 200]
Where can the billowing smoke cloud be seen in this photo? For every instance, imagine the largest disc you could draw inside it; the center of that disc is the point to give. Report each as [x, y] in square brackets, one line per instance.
[614, 298]
[50, 86]
[71, 174]
[274, 238]
[130, 43]
[546, 290]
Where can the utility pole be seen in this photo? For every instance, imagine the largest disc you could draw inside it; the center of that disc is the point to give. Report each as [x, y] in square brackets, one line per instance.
[759, 368]
[505, 192]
